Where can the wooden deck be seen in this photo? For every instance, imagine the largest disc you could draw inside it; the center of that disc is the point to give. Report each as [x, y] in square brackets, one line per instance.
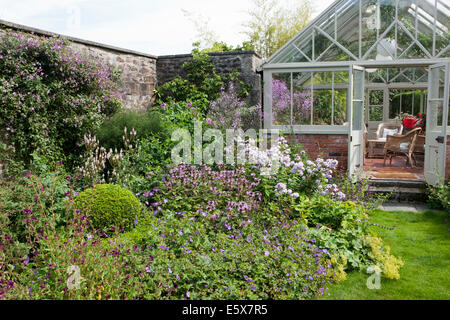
[374, 169]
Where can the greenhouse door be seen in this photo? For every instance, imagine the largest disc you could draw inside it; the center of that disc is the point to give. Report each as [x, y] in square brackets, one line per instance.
[356, 120]
[436, 123]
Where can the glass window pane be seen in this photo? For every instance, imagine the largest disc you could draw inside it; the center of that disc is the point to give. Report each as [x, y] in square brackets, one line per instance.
[376, 97]
[302, 102]
[340, 106]
[370, 24]
[407, 102]
[440, 109]
[376, 113]
[387, 12]
[348, 26]
[281, 98]
[323, 98]
[358, 98]
[394, 103]
[357, 114]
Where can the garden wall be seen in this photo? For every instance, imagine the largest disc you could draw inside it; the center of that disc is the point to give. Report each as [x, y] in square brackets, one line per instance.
[143, 72]
[327, 146]
[139, 69]
[245, 62]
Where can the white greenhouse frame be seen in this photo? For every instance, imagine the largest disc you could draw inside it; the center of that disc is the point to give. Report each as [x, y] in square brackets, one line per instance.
[428, 17]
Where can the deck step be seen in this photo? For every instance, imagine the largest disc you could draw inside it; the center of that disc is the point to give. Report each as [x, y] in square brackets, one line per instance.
[400, 190]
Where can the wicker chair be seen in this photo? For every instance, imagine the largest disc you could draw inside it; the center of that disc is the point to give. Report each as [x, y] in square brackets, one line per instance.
[375, 147]
[401, 145]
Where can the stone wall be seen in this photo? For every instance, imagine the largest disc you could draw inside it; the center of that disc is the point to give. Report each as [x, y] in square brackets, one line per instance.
[143, 72]
[245, 62]
[329, 146]
[139, 69]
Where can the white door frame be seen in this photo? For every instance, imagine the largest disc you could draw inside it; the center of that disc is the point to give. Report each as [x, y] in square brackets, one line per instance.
[356, 119]
[436, 136]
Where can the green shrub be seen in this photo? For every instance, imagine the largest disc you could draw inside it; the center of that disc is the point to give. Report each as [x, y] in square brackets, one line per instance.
[111, 132]
[51, 96]
[439, 196]
[200, 84]
[341, 228]
[324, 211]
[44, 188]
[194, 260]
[109, 206]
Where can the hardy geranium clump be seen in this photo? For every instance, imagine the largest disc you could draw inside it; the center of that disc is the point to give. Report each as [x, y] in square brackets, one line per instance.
[224, 196]
[50, 96]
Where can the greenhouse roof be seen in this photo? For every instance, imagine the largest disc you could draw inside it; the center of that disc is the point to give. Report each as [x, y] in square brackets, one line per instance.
[366, 30]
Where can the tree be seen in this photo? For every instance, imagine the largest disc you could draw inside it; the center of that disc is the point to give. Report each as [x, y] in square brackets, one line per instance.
[208, 40]
[272, 24]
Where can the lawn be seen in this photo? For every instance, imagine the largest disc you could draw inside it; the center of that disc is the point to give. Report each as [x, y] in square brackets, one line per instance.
[422, 240]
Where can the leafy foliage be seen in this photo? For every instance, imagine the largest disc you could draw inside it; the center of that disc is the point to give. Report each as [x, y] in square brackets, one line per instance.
[200, 84]
[439, 196]
[51, 96]
[108, 206]
[271, 24]
[111, 131]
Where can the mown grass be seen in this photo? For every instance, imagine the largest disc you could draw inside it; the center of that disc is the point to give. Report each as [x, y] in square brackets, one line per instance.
[422, 240]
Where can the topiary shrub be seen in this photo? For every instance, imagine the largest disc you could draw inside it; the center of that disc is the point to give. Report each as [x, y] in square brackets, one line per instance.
[108, 206]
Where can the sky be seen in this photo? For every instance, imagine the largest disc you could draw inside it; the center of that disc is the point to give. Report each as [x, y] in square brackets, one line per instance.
[157, 27]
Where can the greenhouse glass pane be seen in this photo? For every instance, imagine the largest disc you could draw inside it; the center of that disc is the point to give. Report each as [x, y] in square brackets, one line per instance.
[394, 103]
[442, 25]
[348, 25]
[407, 14]
[340, 106]
[371, 23]
[376, 97]
[376, 113]
[321, 44]
[387, 13]
[323, 98]
[302, 100]
[281, 98]
[416, 108]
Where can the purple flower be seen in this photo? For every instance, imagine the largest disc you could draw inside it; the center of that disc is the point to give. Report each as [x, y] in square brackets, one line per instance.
[26, 260]
[266, 252]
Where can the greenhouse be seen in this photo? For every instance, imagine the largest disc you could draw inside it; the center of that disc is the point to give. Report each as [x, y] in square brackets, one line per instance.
[367, 82]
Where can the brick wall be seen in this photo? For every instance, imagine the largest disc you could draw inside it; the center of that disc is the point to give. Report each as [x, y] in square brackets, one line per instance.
[245, 62]
[323, 146]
